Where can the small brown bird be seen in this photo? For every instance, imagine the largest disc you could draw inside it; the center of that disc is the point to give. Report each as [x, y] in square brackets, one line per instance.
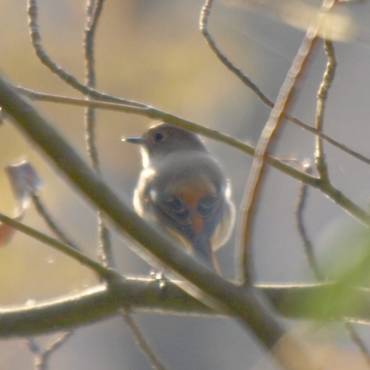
[183, 190]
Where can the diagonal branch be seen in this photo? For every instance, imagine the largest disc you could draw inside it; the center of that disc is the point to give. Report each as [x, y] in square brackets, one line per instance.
[322, 169]
[51, 223]
[141, 341]
[69, 250]
[146, 109]
[153, 113]
[143, 294]
[268, 135]
[212, 290]
[203, 25]
[42, 356]
[58, 70]
[334, 194]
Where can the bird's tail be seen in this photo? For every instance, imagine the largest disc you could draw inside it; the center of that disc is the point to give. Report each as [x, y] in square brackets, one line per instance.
[203, 250]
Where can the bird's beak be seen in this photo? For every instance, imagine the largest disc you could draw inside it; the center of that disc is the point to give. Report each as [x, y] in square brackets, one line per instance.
[133, 140]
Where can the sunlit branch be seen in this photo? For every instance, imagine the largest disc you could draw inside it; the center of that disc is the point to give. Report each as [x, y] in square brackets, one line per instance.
[211, 289]
[143, 294]
[269, 134]
[203, 25]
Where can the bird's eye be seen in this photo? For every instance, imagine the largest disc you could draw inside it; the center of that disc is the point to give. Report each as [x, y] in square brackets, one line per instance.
[158, 137]
[206, 205]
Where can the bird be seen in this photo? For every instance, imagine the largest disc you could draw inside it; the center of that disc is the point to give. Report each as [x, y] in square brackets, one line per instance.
[183, 190]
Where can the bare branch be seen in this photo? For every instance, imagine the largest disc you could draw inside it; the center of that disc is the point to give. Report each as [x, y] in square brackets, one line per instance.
[42, 356]
[203, 25]
[314, 265]
[175, 120]
[66, 249]
[333, 193]
[140, 340]
[322, 169]
[58, 70]
[204, 284]
[93, 13]
[52, 224]
[299, 217]
[143, 294]
[146, 109]
[269, 133]
[322, 94]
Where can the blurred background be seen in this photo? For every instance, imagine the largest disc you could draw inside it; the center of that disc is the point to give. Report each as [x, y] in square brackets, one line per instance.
[152, 51]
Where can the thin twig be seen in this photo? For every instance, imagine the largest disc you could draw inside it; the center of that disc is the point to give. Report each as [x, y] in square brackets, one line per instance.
[334, 194]
[93, 13]
[307, 243]
[321, 166]
[140, 340]
[314, 264]
[203, 26]
[181, 122]
[267, 137]
[151, 112]
[52, 224]
[42, 356]
[322, 169]
[36, 40]
[66, 249]
[322, 94]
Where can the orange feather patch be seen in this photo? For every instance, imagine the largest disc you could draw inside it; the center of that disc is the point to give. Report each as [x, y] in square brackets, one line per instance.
[191, 196]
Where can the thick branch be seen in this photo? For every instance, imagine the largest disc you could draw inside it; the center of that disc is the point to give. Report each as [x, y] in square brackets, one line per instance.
[200, 282]
[141, 294]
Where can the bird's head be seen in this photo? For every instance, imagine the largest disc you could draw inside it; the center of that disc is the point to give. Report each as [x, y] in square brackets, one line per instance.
[164, 139]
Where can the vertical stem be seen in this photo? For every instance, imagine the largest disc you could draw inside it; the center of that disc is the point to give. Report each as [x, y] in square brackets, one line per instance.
[93, 12]
[322, 95]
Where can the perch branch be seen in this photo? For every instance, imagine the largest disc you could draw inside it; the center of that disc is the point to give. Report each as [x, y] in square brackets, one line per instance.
[143, 294]
[214, 291]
